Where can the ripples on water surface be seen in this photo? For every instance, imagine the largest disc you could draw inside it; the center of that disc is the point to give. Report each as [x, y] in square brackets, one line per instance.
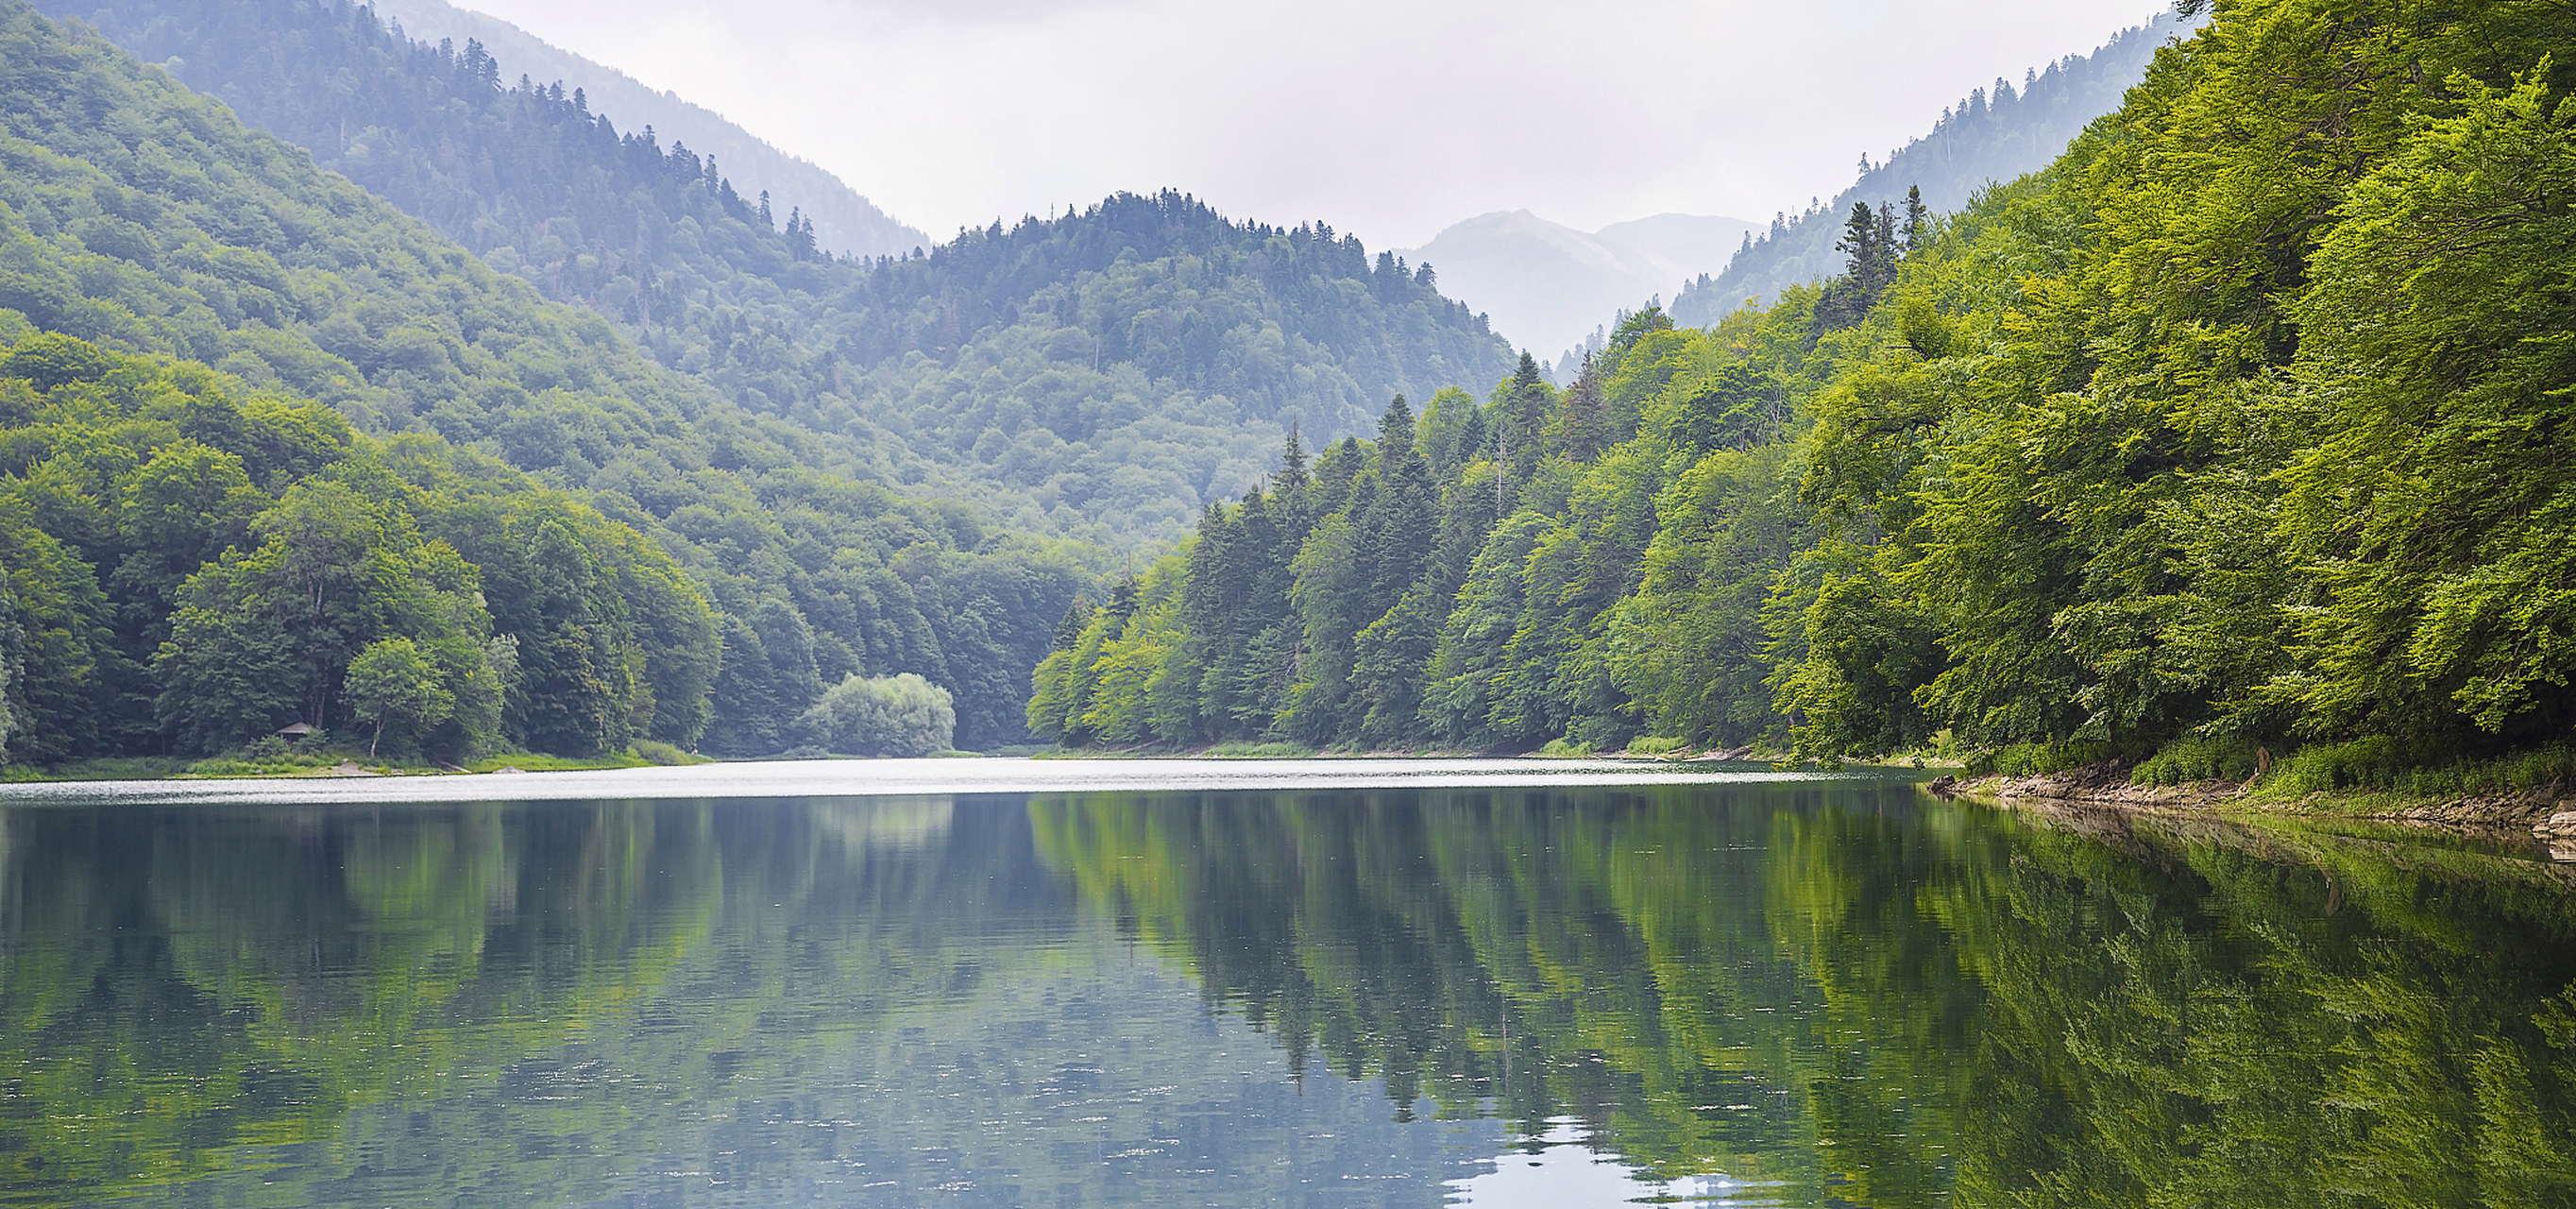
[1346, 983]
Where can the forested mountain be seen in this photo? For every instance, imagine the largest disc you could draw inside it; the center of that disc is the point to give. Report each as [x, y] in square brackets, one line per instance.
[2237, 429]
[1991, 136]
[1101, 374]
[274, 75]
[145, 219]
[844, 222]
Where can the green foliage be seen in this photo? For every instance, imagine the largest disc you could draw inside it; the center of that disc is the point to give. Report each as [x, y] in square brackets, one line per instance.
[2195, 434]
[1490, 576]
[901, 715]
[1992, 134]
[2379, 765]
[2198, 758]
[1101, 375]
[392, 682]
[2238, 427]
[193, 564]
[654, 752]
[145, 219]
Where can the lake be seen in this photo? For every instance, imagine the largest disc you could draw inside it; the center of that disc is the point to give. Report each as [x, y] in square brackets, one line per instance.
[1361, 983]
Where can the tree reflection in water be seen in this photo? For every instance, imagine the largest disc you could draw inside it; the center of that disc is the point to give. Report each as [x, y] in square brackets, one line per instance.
[1833, 991]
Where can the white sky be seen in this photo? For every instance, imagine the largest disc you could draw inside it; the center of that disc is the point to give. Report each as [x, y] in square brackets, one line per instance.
[1389, 119]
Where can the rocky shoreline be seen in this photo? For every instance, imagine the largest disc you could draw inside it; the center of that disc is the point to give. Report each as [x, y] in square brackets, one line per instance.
[2546, 814]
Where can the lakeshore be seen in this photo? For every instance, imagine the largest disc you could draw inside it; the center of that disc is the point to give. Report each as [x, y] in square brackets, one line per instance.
[2547, 813]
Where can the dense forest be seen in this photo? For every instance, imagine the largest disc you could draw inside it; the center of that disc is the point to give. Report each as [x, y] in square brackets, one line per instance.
[145, 221]
[1099, 374]
[844, 222]
[2238, 428]
[1992, 135]
[193, 564]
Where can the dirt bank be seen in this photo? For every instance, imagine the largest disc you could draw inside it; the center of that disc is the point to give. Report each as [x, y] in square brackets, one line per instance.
[2549, 814]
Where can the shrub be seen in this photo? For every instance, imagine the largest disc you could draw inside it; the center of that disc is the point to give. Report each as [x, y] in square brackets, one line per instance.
[654, 751]
[2380, 764]
[2197, 759]
[902, 715]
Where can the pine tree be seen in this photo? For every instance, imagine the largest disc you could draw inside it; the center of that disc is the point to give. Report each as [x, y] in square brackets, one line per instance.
[1077, 617]
[1397, 531]
[1520, 408]
[1870, 243]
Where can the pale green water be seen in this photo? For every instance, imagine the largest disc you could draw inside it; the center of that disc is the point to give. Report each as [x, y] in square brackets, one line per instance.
[1317, 985]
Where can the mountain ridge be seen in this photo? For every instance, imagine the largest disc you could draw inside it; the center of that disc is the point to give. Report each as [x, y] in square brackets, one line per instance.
[1974, 144]
[845, 221]
[1143, 388]
[148, 219]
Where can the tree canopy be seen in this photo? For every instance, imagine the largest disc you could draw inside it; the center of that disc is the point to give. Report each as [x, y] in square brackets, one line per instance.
[2239, 426]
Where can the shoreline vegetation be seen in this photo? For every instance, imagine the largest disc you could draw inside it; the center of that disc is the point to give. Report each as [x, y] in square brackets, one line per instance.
[259, 762]
[2183, 457]
[2529, 795]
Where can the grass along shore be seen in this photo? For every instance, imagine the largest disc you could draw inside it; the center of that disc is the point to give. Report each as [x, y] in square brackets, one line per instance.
[2367, 781]
[266, 762]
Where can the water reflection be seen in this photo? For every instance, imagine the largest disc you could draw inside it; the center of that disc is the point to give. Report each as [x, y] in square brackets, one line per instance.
[1793, 994]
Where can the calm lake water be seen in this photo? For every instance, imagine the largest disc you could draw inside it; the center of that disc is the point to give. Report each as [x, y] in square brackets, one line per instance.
[1175, 984]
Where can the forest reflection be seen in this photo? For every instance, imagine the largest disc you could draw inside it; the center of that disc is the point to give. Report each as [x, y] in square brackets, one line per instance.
[1835, 991]
[1888, 1001]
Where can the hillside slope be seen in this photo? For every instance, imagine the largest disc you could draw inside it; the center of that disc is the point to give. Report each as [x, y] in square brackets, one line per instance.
[244, 56]
[145, 218]
[1103, 374]
[844, 221]
[2232, 445]
[1990, 137]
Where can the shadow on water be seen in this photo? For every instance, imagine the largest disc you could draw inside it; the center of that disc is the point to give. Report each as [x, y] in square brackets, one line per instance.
[1802, 993]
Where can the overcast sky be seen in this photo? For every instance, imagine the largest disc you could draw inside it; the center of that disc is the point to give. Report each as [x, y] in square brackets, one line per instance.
[1389, 119]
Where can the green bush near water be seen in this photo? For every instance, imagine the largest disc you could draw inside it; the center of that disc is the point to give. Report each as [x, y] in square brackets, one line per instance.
[2382, 766]
[2198, 759]
[902, 715]
[2372, 766]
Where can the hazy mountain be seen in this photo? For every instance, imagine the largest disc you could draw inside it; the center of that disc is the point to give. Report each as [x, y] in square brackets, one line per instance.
[1697, 243]
[1993, 135]
[1545, 285]
[844, 221]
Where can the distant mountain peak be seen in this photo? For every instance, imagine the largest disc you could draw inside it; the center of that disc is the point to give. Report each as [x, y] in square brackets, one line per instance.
[1546, 285]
